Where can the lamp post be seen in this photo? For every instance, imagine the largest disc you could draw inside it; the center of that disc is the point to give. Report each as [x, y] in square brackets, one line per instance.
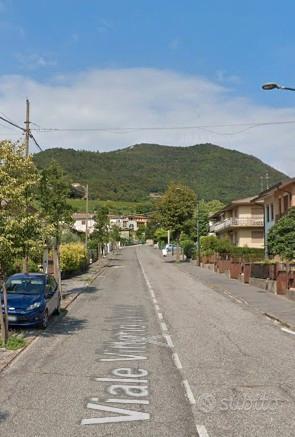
[272, 86]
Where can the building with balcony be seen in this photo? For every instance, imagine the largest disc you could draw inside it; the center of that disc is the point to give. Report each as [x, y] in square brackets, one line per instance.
[276, 201]
[241, 222]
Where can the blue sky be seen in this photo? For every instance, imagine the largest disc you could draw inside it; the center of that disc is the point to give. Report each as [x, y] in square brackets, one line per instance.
[226, 47]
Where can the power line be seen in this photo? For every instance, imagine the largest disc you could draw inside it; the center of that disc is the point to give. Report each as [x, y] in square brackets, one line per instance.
[164, 128]
[12, 124]
[35, 141]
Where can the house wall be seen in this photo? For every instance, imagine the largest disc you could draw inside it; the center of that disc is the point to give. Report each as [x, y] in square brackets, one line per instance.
[80, 225]
[249, 237]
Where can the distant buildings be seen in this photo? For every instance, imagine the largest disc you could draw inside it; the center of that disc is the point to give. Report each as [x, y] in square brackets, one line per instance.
[80, 219]
[128, 225]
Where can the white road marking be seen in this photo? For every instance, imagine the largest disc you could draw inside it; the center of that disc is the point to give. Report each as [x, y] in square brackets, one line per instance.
[289, 331]
[169, 340]
[202, 431]
[155, 301]
[157, 307]
[164, 326]
[177, 361]
[189, 392]
[120, 380]
[128, 401]
[160, 315]
[126, 415]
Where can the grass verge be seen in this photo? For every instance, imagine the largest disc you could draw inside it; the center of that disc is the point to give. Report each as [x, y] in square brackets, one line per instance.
[14, 342]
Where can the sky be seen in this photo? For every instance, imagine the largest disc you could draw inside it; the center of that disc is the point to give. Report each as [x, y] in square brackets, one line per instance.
[109, 74]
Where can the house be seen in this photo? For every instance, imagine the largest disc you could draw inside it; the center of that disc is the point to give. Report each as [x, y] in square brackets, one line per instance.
[276, 200]
[241, 222]
[131, 222]
[80, 219]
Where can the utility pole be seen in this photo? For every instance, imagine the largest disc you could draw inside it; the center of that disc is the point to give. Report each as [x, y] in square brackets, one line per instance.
[86, 221]
[27, 127]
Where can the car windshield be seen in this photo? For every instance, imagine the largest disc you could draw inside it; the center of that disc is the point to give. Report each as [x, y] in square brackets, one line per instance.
[25, 285]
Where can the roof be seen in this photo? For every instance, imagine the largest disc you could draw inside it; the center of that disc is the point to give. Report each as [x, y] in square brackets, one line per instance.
[82, 216]
[26, 275]
[278, 186]
[229, 206]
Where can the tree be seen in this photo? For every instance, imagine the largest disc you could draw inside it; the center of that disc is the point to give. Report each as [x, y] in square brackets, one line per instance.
[100, 235]
[140, 233]
[281, 237]
[19, 222]
[205, 210]
[176, 207]
[114, 235]
[54, 190]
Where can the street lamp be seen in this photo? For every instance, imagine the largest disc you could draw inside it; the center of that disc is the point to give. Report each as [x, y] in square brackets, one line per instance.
[272, 85]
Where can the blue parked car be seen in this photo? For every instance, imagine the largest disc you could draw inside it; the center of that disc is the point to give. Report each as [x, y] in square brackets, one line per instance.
[32, 298]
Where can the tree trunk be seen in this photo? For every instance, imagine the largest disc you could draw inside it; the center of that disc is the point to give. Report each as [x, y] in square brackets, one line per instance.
[4, 318]
[56, 268]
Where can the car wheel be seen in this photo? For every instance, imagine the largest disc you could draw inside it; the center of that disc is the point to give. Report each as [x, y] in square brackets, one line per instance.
[44, 322]
[57, 309]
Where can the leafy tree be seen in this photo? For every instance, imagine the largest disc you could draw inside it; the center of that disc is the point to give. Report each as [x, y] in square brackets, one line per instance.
[205, 210]
[101, 234]
[114, 235]
[176, 208]
[281, 237]
[19, 222]
[140, 233]
[53, 193]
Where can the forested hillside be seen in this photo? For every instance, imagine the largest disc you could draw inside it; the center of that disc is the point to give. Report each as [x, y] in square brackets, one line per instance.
[135, 172]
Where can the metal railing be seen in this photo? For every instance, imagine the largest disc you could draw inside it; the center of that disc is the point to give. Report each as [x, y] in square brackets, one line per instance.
[237, 222]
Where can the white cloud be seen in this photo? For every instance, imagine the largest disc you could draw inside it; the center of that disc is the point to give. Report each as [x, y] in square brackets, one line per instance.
[148, 97]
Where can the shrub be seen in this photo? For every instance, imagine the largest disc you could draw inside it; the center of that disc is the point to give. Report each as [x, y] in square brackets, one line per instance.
[281, 237]
[73, 257]
[189, 248]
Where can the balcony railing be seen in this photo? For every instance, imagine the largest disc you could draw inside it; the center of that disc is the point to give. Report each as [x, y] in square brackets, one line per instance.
[237, 222]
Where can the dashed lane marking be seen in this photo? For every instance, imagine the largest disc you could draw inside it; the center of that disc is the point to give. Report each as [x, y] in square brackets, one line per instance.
[202, 431]
[169, 340]
[177, 361]
[164, 327]
[189, 392]
[289, 331]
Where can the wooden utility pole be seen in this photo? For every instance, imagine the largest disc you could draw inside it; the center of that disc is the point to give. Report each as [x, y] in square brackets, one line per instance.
[27, 128]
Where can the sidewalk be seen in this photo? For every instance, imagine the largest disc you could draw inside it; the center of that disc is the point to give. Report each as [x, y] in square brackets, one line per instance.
[71, 288]
[276, 307]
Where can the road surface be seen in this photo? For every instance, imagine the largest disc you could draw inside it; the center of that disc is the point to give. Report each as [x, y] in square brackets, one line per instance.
[151, 350]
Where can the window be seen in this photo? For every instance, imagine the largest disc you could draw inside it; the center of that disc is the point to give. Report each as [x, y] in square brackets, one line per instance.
[83, 222]
[257, 235]
[272, 215]
[286, 203]
[267, 213]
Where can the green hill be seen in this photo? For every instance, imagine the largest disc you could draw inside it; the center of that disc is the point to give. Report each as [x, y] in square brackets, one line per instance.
[133, 173]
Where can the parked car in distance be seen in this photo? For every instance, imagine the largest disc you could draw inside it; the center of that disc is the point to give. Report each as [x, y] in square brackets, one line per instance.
[171, 247]
[32, 299]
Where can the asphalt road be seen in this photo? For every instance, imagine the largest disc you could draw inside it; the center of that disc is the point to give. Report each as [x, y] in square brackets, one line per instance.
[151, 350]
